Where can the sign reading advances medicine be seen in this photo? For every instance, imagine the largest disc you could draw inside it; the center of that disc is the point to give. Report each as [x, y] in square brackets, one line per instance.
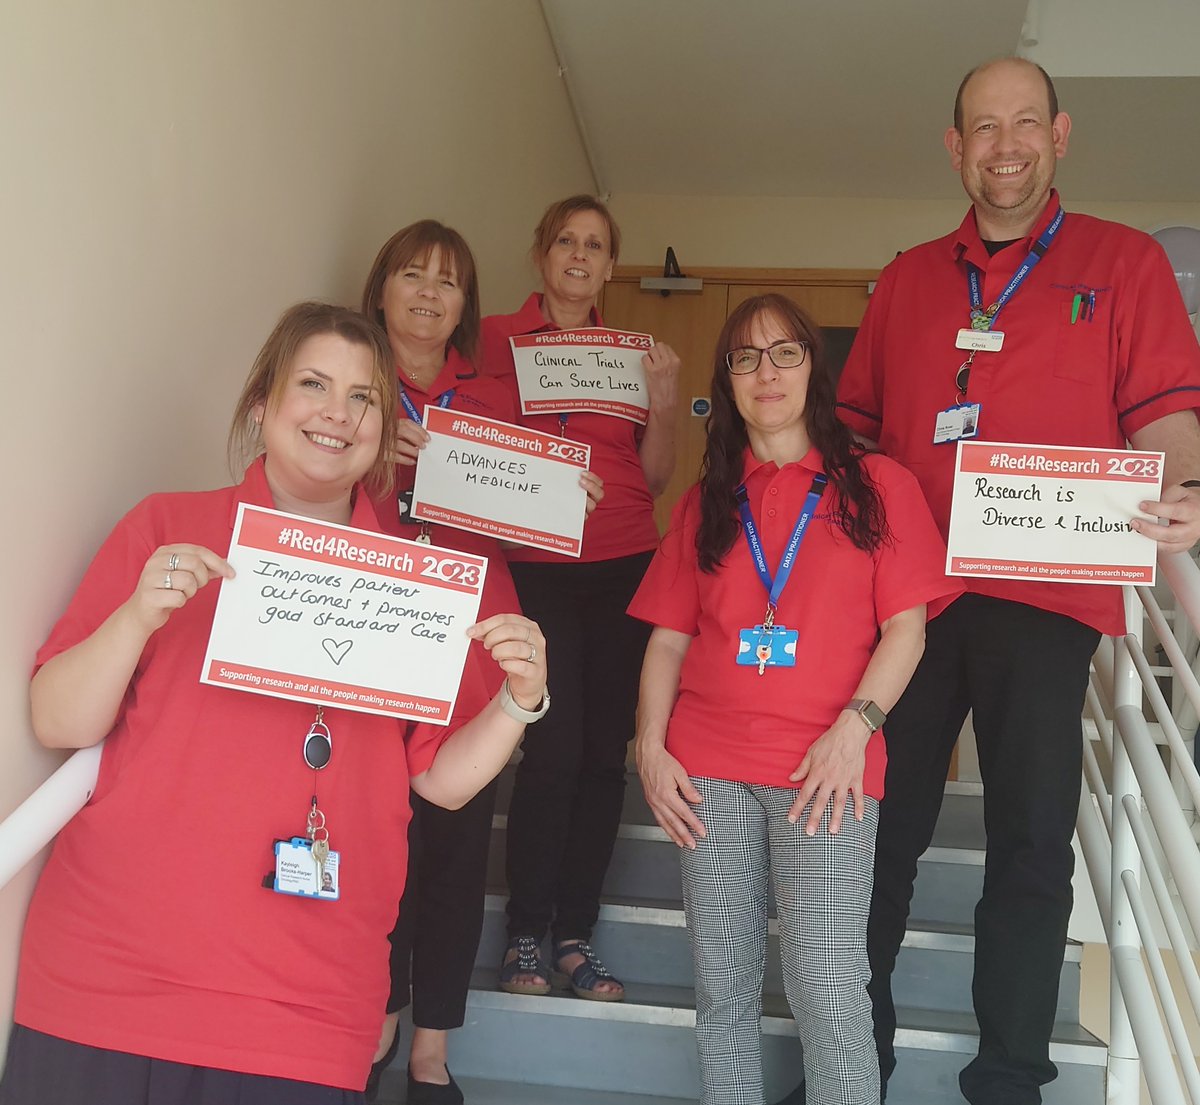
[506, 481]
[341, 617]
[590, 369]
[1051, 512]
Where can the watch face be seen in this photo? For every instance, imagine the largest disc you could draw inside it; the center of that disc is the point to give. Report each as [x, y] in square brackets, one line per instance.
[873, 715]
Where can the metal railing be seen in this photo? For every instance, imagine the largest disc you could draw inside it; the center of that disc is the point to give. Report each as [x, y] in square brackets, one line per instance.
[1139, 794]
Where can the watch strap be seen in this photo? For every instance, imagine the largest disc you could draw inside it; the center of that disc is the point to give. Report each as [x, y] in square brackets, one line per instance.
[518, 713]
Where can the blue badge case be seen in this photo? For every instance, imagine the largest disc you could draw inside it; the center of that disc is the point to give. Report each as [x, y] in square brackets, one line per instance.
[773, 647]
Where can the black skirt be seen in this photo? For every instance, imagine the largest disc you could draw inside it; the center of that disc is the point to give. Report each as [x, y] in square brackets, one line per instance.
[44, 1070]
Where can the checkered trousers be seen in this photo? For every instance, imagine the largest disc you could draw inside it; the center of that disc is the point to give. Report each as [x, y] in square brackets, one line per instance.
[822, 890]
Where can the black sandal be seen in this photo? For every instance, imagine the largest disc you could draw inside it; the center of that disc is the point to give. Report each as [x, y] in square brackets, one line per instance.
[527, 961]
[584, 979]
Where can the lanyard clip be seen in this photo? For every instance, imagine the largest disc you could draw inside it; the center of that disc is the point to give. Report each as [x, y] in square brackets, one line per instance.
[769, 616]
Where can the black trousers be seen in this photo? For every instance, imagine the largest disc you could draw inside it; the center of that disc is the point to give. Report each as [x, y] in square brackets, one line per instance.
[441, 914]
[570, 784]
[47, 1070]
[1023, 671]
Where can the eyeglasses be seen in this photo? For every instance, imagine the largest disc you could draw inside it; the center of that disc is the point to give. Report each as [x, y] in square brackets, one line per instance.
[318, 746]
[783, 354]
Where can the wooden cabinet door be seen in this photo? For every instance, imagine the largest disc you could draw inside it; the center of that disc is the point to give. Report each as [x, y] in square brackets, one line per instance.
[690, 324]
[828, 305]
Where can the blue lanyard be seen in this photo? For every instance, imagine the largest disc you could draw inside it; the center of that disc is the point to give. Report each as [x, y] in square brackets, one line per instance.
[983, 320]
[775, 587]
[443, 401]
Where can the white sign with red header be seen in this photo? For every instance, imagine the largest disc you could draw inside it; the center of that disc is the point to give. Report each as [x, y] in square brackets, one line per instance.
[505, 481]
[341, 617]
[590, 369]
[1052, 512]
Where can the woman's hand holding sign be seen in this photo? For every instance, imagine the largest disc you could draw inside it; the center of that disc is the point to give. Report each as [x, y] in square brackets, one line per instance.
[172, 575]
[517, 645]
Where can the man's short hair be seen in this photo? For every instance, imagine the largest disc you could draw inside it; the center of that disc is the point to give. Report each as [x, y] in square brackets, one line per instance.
[1051, 95]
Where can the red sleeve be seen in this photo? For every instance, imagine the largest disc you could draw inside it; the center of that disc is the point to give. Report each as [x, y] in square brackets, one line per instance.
[108, 582]
[910, 568]
[860, 388]
[1158, 369]
[669, 594]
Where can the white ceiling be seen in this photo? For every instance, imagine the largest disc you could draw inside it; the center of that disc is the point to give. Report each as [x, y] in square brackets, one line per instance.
[851, 97]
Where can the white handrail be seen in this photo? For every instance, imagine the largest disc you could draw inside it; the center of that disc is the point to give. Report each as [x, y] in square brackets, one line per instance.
[1124, 838]
[36, 821]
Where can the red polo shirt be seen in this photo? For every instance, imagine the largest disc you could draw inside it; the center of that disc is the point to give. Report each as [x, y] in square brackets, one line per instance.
[476, 394]
[1131, 361]
[623, 523]
[150, 931]
[731, 723]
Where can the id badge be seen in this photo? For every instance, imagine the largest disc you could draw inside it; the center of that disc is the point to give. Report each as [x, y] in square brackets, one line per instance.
[980, 341]
[954, 423]
[767, 647]
[296, 871]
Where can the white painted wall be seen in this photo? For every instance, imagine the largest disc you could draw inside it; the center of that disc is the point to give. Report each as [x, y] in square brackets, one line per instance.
[816, 232]
[172, 176]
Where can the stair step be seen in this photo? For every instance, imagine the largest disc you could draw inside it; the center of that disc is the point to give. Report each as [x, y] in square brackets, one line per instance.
[645, 864]
[646, 1045]
[647, 942]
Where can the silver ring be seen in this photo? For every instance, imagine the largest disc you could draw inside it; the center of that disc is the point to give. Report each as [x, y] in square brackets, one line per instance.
[167, 582]
[173, 563]
[532, 654]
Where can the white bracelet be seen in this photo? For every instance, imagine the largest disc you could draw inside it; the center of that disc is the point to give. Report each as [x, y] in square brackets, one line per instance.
[518, 713]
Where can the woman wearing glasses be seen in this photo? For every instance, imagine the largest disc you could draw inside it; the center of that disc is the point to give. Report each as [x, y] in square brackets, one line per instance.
[168, 989]
[789, 603]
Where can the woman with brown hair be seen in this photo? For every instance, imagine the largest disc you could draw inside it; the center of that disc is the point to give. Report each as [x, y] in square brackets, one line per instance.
[162, 989]
[566, 802]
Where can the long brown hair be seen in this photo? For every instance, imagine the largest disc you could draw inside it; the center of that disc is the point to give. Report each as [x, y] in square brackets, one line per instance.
[857, 508]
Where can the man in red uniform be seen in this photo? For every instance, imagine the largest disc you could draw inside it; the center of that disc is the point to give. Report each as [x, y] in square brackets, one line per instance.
[1087, 343]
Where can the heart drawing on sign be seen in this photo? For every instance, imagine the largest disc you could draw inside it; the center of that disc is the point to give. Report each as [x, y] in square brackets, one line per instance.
[336, 650]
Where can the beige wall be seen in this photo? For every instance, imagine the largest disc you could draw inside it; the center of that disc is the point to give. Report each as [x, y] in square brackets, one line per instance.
[174, 175]
[808, 232]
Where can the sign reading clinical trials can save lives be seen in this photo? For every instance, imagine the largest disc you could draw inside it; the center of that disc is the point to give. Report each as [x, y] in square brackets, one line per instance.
[507, 481]
[590, 369]
[1052, 512]
[342, 617]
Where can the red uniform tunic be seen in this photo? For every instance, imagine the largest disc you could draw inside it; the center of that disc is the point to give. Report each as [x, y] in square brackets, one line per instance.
[1125, 363]
[731, 723]
[623, 522]
[489, 398]
[150, 931]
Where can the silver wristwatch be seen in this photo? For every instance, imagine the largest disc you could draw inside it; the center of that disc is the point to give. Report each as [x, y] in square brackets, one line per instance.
[518, 713]
[873, 717]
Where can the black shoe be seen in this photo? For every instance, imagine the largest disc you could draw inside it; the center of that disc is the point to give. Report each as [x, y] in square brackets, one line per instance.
[371, 1091]
[432, 1093]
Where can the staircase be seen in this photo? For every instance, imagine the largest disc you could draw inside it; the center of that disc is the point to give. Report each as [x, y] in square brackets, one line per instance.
[559, 1050]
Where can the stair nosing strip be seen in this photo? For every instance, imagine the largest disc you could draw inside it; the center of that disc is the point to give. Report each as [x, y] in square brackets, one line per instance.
[919, 1039]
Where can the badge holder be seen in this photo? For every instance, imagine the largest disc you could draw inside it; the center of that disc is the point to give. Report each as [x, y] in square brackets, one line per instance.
[767, 646]
[299, 874]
